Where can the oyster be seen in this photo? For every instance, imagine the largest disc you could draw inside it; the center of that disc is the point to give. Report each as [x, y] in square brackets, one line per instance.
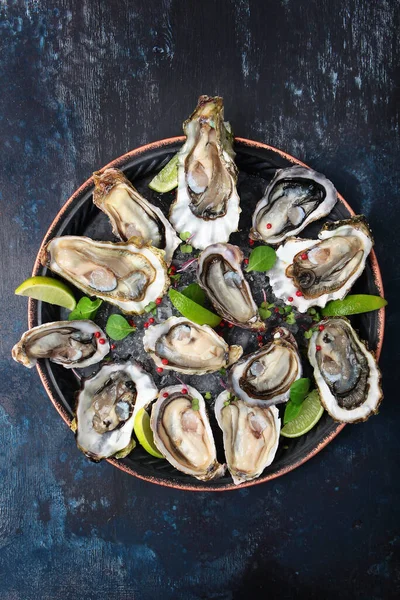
[182, 432]
[312, 272]
[264, 377]
[106, 409]
[295, 197]
[345, 372]
[72, 344]
[207, 202]
[220, 275]
[130, 214]
[182, 346]
[123, 274]
[251, 436]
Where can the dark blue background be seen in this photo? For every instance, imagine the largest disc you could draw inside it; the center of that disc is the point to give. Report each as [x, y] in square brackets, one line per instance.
[83, 81]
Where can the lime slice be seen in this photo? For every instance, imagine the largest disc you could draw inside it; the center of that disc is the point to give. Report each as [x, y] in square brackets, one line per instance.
[48, 290]
[144, 433]
[310, 413]
[353, 305]
[193, 311]
[167, 179]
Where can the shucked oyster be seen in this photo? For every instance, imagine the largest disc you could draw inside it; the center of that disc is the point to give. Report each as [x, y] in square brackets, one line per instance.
[345, 372]
[106, 409]
[182, 432]
[123, 274]
[182, 346]
[295, 197]
[207, 202]
[251, 436]
[264, 377]
[72, 344]
[130, 214]
[311, 272]
[220, 275]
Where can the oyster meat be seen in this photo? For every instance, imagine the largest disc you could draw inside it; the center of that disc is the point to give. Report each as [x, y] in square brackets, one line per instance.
[311, 272]
[72, 344]
[130, 214]
[207, 202]
[345, 372]
[106, 409]
[123, 274]
[219, 273]
[182, 432]
[251, 436]
[182, 346]
[264, 377]
[295, 197]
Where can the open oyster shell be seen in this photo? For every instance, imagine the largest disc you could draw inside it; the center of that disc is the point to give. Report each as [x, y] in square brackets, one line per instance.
[313, 272]
[264, 377]
[182, 432]
[180, 345]
[346, 373]
[296, 197]
[106, 408]
[72, 344]
[219, 273]
[123, 274]
[130, 214]
[251, 436]
[207, 202]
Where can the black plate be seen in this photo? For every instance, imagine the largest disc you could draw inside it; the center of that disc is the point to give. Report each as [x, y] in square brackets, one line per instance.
[257, 164]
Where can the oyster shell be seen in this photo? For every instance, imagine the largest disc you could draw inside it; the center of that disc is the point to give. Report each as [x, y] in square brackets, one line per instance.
[295, 197]
[313, 272]
[123, 274]
[207, 202]
[130, 214]
[71, 344]
[264, 377]
[182, 432]
[251, 436]
[106, 408]
[188, 348]
[345, 372]
[219, 273]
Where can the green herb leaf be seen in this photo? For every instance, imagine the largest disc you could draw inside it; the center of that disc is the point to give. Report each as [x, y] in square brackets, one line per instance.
[299, 390]
[222, 371]
[308, 334]
[261, 259]
[150, 306]
[311, 311]
[118, 328]
[195, 404]
[85, 309]
[185, 235]
[288, 309]
[227, 402]
[195, 293]
[207, 396]
[186, 248]
[290, 319]
[291, 412]
[264, 313]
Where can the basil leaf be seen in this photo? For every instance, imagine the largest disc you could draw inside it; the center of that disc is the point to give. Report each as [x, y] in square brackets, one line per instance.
[118, 328]
[85, 309]
[299, 390]
[261, 259]
[291, 412]
[195, 293]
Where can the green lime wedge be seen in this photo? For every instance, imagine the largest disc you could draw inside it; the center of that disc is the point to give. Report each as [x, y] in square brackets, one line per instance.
[353, 305]
[167, 179]
[310, 413]
[48, 290]
[193, 311]
[144, 433]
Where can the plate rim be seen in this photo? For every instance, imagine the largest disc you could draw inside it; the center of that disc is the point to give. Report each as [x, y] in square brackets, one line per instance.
[33, 310]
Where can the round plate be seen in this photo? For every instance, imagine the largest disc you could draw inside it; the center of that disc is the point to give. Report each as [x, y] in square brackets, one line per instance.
[257, 164]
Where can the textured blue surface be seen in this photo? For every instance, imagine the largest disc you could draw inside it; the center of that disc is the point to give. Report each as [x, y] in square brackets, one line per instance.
[84, 81]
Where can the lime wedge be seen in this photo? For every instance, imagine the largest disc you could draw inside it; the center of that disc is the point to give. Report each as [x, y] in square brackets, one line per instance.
[310, 413]
[167, 179]
[144, 433]
[193, 311]
[353, 305]
[48, 290]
